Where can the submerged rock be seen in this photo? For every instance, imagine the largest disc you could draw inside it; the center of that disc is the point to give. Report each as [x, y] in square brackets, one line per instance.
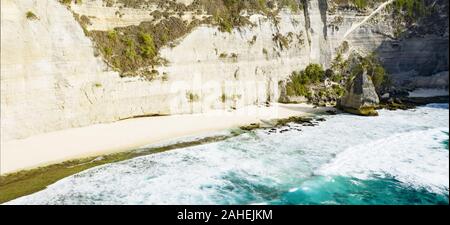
[361, 97]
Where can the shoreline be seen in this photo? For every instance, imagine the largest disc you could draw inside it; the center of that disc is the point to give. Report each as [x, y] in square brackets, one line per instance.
[28, 181]
[125, 135]
[208, 128]
[33, 179]
[24, 181]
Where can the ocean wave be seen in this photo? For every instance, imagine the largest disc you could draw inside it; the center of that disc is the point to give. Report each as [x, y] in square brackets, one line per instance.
[417, 158]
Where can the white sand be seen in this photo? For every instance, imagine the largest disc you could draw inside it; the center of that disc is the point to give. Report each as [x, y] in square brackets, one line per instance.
[95, 140]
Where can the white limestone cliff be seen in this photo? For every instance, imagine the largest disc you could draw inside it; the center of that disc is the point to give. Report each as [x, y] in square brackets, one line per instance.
[52, 78]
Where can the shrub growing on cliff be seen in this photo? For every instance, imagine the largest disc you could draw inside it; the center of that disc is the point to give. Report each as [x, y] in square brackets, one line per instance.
[297, 89]
[314, 72]
[291, 4]
[378, 76]
[337, 78]
[411, 7]
[148, 48]
[223, 98]
[223, 55]
[66, 2]
[112, 35]
[224, 24]
[408, 12]
[338, 90]
[299, 82]
[281, 40]
[108, 51]
[360, 4]
[192, 97]
[130, 51]
[339, 65]
[31, 16]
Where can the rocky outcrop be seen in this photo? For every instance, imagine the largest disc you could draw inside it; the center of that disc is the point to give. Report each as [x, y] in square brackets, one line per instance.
[361, 97]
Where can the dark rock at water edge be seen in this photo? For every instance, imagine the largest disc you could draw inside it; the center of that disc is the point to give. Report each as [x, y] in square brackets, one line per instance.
[404, 103]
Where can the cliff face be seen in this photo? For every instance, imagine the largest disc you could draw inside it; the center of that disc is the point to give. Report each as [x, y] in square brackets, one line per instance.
[53, 77]
[419, 56]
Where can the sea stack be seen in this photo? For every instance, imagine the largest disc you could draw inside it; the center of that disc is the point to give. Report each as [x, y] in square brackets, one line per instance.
[361, 97]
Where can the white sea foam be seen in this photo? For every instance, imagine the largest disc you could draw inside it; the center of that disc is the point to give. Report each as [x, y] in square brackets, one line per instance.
[258, 167]
[415, 158]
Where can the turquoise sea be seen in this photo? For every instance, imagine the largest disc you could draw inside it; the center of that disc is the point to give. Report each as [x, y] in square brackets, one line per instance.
[400, 157]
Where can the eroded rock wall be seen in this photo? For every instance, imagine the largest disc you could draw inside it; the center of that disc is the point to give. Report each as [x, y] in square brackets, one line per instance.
[418, 52]
[53, 78]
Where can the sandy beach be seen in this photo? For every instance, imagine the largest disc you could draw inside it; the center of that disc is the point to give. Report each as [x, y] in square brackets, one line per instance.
[100, 139]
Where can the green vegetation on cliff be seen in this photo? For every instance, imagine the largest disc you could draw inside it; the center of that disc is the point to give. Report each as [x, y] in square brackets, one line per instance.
[321, 86]
[299, 81]
[31, 16]
[134, 50]
[374, 69]
[412, 8]
[358, 4]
